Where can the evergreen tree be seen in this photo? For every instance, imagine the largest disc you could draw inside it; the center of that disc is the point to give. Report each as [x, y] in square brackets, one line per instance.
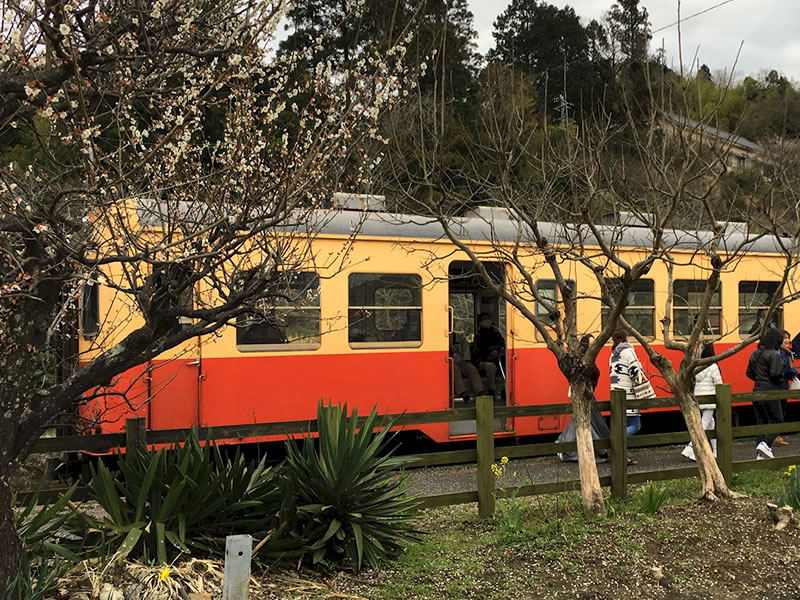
[550, 45]
[630, 29]
[442, 37]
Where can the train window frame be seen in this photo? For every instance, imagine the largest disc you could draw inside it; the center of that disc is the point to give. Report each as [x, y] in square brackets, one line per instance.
[605, 310]
[713, 308]
[750, 308]
[384, 308]
[291, 307]
[558, 300]
[90, 303]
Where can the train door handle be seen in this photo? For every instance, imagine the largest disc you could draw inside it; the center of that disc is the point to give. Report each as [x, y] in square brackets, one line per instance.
[451, 319]
[193, 363]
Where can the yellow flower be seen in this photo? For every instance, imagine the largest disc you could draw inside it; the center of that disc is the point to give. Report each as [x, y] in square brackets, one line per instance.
[791, 468]
[164, 574]
[504, 460]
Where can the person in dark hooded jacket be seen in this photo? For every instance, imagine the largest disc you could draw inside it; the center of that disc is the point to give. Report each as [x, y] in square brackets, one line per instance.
[765, 368]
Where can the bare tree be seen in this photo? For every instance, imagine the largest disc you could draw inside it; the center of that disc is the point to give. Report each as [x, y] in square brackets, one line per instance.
[159, 150]
[644, 168]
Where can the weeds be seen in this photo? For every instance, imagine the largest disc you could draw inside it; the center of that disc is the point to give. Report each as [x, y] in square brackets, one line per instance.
[790, 495]
[509, 511]
[652, 498]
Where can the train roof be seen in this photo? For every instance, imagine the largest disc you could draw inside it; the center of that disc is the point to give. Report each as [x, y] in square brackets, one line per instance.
[492, 226]
[486, 224]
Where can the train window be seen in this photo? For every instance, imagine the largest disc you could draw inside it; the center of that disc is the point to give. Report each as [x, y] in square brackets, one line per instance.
[384, 310]
[90, 306]
[754, 300]
[686, 302]
[641, 309]
[288, 321]
[548, 291]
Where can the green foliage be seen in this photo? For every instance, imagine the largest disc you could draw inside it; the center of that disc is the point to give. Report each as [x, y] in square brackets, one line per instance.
[534, 37]
[184, 499]
[630, 28]
[36, 577]
[652, 498]
[44, 560]
[790, 495]
[508, 517]
[508, 510]
[39, 527]
[348, 504]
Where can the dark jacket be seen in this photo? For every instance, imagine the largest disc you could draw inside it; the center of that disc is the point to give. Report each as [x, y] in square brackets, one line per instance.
[486, 341]
[789, 372]
[766, 364]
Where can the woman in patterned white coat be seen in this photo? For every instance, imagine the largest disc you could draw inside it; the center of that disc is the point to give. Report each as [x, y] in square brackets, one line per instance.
[625, 371]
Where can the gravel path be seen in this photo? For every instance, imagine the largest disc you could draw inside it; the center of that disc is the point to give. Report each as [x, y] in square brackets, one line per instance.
[462, 478]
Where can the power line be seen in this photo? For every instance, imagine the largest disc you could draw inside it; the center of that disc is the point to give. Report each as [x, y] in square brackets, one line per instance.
[697, 14]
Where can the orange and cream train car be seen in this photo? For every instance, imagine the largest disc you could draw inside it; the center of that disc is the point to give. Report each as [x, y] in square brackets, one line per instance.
[376, 332]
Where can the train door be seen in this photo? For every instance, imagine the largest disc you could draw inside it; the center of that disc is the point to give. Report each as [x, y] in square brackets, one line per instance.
[470, 297]
[174, 388]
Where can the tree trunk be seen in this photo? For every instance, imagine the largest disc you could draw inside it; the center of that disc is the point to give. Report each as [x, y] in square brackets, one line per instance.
[591, 492]
[714, 485]
[10, 544]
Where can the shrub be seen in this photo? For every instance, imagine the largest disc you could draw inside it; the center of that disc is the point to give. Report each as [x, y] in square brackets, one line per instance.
[348, 504]
[652, 498]
[183, 499]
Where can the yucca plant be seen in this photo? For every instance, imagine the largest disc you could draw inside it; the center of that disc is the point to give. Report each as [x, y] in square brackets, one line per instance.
[186, 498]
[36, 577]
[349, 505]
[41, 529]
[44, 558]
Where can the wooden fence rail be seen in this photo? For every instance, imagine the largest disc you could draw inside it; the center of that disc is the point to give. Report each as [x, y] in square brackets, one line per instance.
[485, 415]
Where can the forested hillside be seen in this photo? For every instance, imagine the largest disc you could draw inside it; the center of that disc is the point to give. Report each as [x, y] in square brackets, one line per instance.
[549, 70]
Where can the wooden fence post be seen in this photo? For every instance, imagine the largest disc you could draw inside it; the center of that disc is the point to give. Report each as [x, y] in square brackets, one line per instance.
[484, 421]
[135, 436]
[619, 445]
[724, 432]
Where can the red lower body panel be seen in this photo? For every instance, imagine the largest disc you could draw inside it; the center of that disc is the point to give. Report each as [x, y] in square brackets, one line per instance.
[261, 389]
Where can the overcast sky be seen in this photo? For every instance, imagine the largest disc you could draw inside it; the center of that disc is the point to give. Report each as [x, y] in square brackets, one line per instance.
[768, 29]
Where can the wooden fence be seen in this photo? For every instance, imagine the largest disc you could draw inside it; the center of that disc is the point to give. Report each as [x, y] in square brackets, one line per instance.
[485, 453]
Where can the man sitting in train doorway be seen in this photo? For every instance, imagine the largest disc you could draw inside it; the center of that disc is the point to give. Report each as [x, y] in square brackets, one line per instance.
[464, 369]
[490, 347]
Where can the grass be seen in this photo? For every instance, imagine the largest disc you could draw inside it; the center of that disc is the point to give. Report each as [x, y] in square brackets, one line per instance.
[463, 557]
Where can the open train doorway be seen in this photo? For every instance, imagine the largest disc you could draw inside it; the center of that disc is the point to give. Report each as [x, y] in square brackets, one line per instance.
[479, 341]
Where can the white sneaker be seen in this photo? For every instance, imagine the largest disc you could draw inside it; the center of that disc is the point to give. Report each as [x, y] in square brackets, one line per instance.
[759, 457]
[688, 452]
[762, 448]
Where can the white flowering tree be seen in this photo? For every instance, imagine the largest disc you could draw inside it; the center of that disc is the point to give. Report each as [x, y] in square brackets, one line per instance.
[181, 107]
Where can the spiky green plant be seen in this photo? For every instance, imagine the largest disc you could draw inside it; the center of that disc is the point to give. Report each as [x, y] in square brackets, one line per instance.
[44, 558]
[349, 504]
[36, 577]
[183, 499]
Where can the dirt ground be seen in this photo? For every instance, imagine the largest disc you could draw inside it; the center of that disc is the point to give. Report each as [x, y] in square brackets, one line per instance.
[722, 550]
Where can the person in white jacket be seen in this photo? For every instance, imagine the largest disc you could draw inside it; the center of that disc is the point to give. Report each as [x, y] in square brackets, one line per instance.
[705, 384]
[625, 371]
